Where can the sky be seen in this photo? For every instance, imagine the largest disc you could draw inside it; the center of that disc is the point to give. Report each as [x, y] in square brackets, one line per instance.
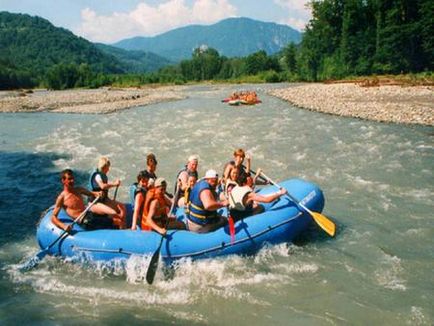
[109, 21]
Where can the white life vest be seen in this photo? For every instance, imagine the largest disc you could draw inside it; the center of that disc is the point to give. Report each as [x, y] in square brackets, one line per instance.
[229, 186]
[236, 197]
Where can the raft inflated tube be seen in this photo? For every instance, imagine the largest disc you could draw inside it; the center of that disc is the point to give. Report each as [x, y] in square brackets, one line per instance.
[280, 222]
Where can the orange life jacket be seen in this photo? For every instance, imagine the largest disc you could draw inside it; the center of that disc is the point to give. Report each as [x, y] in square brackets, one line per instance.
[160, 215]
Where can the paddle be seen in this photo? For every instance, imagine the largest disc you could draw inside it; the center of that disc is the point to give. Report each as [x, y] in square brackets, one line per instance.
[33, 262]
[116, 192]
[231, 221]
[153, 265]
[263, 179]
[231, 227]
[326, 224]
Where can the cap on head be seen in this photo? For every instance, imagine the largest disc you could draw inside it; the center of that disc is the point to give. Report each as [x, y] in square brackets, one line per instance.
[160, 182]
[211, 174]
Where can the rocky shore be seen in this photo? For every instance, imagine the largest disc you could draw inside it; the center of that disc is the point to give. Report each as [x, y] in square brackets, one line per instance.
[397, 104]
[104, 100]
[385, 103]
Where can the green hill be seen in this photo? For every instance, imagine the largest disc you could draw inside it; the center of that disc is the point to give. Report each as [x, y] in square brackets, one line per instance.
[233, 37]
[33, 44]
[135, 61]
[34, 52]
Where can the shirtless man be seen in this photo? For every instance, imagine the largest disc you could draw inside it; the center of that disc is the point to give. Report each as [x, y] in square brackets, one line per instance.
[70, 199]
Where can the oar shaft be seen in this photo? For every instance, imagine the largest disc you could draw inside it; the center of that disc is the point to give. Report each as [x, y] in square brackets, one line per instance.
[288, 194]
[253, 173]
[116, 192]
[325, 223]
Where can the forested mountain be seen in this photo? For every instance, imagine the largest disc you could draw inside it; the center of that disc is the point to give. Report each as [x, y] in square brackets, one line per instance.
[135, 61]
[34, 52]
[233, 37]
[33, 44]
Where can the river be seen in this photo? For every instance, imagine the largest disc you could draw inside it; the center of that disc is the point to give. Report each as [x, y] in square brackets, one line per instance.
[378, 181]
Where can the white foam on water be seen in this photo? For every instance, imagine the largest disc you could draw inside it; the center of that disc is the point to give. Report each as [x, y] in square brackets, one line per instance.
[421, 195]
[192, 281]
[300, 156]
[324, 127]
[355, 236]
[136, 268]
[386, 203]
[326, 174]
[45, 280]
[416, 217]
[255, 152]
[413, 232]
[278, 164]
[393, 166]
[298, 268]
[110, 134]
[417, 317]
[367, 135]
[361, 183]
[68, 142]
[388, 275]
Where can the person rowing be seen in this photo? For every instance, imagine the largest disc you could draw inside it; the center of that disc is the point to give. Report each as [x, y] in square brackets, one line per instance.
[156, 210]
[183, 175]
[139, 196]
[202, 213]
[99, 182]
[237, 163]
[244, 202]
[71, 200]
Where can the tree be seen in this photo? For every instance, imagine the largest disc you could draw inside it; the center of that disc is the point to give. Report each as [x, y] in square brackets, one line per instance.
[62, 76]
[426, 27]
[256, 62]
[290, 55]
[206, 63]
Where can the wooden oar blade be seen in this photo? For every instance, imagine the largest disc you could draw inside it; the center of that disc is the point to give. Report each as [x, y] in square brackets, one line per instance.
[325, 223]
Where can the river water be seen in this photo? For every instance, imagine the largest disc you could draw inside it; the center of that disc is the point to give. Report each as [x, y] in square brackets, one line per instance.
[377, 179]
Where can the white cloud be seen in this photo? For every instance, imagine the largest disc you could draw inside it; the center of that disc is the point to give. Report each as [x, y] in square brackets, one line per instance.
[298, 13]
[147, 20]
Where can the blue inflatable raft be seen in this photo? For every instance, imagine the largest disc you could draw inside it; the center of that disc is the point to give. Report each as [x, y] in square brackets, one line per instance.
[281, 222]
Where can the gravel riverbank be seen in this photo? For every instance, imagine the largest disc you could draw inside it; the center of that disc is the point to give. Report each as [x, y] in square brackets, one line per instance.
[397, 104]
[91, 101]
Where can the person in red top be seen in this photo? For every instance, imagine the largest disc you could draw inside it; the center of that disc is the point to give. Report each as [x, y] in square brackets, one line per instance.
[156, 210]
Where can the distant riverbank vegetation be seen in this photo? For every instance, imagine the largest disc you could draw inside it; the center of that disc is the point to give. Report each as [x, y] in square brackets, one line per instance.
[345, 39]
